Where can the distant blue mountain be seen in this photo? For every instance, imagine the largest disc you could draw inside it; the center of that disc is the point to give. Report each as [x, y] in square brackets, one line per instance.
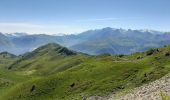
[100, 41]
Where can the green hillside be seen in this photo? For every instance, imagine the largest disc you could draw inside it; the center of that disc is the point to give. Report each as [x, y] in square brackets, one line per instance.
[53, 72]
[6, 59]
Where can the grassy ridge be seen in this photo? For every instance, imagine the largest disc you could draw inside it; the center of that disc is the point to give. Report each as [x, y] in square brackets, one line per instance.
[51, 73]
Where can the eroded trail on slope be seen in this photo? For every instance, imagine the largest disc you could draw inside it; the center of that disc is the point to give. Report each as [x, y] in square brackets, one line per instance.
[157, 90]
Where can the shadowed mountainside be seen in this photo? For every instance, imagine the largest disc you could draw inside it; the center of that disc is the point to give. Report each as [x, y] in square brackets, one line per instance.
[94, 42]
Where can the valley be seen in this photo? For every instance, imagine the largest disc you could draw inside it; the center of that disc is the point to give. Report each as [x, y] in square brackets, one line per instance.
[84, 50]
[94, 42]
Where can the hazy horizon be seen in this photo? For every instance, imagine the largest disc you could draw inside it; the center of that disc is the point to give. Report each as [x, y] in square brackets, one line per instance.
[76, 33]
[76, 16]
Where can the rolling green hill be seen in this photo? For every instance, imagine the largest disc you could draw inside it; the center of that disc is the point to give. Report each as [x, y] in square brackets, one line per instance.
[6, 59]
[53, 72]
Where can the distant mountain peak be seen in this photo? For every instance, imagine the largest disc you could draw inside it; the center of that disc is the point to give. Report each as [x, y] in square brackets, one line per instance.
[50, 49]
[59, 49]
[50, 45]
[17, 34]
[118, 40]
[108, 28]
[7, 54]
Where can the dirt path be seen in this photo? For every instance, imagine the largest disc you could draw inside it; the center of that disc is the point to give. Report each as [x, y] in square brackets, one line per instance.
[152, 91]
[156, 90]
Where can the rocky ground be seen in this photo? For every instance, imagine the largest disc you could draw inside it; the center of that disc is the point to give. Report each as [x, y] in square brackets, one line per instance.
[157, 90]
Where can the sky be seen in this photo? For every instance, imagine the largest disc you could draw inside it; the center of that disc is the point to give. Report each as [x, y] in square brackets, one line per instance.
[74, 16]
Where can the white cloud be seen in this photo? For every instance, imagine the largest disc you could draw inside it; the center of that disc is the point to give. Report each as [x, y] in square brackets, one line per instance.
[74, 27]
[36, 29]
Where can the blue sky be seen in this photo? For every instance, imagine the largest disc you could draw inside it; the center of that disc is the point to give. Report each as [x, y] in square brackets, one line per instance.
[74, 16]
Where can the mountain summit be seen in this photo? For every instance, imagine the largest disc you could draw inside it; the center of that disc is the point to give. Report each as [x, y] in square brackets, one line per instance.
[43, 54]
[94, 42]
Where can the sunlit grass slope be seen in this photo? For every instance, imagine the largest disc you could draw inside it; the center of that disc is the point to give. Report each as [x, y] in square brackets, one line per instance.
[52, 72]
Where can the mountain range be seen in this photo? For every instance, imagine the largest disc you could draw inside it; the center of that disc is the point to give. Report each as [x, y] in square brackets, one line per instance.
[100, 41]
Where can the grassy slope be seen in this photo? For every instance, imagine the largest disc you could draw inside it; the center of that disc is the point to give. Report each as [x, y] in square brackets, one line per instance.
[56, 75]
[6, 59]
[8, 78]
